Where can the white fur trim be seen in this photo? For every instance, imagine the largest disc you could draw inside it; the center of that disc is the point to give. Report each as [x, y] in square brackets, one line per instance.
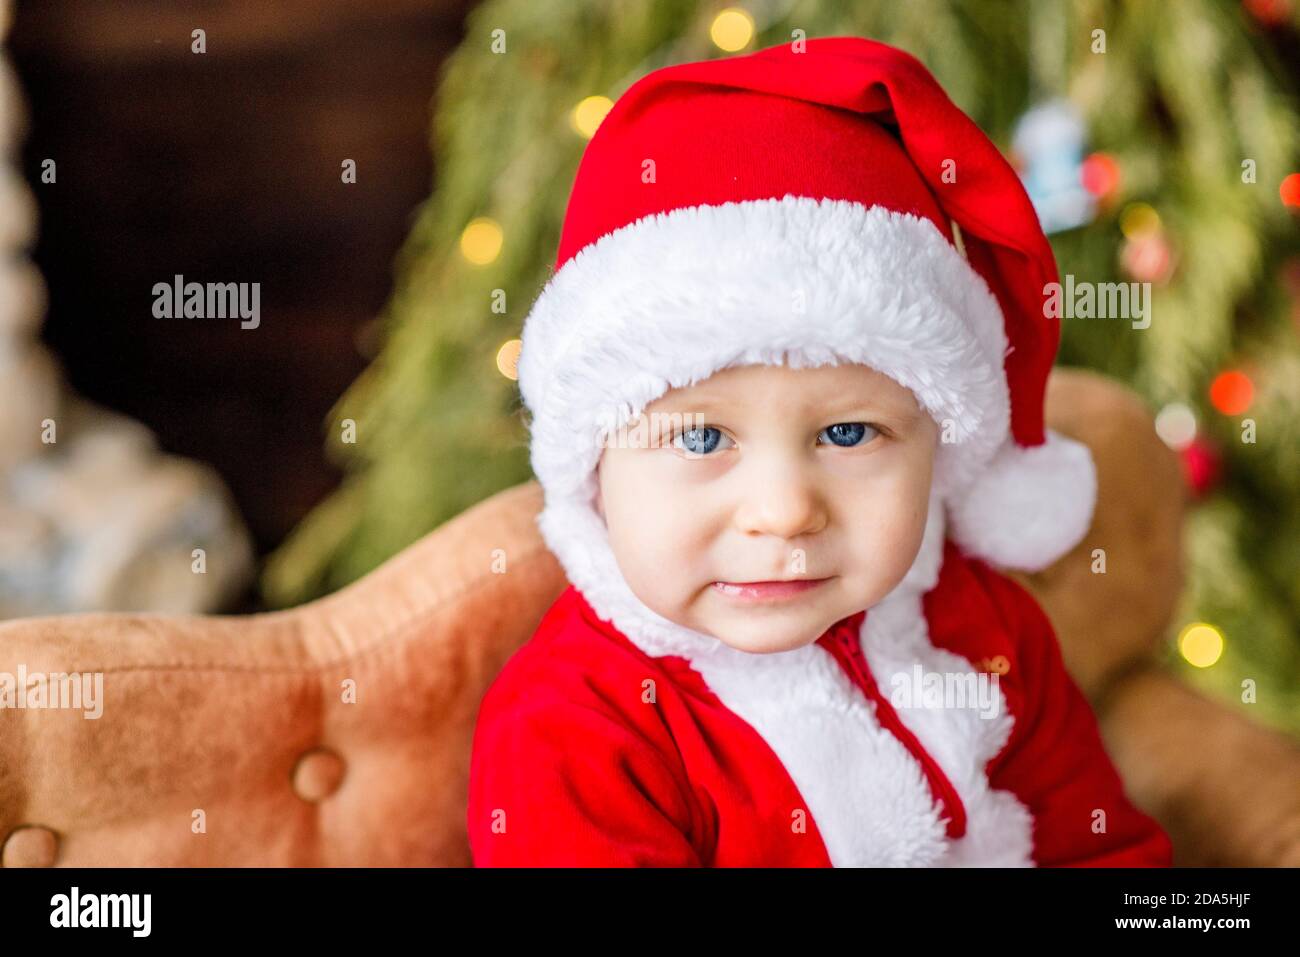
[962, 739]
[672, 298]
[1030, 506]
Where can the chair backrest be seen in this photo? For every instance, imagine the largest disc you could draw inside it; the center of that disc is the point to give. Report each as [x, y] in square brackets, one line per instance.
[335, 733]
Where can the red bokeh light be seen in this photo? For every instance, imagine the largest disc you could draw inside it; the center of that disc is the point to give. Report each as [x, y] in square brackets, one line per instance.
[1231, 392]
[1290, 191]
[1100, 174]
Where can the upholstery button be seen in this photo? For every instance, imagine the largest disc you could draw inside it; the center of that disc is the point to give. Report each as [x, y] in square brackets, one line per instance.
[317, 774]
[29, 845]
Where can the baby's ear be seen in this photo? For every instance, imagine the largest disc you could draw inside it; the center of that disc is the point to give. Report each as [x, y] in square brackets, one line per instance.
[600, 497]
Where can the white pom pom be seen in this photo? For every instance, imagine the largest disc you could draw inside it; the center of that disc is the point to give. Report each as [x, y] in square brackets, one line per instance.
[1029, 506]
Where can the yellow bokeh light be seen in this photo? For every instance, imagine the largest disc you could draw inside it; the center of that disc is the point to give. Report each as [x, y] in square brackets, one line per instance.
[1138, 219]
[1200, 644]
[588, 114]
[732, 29]
[508, 358]
[481, 241]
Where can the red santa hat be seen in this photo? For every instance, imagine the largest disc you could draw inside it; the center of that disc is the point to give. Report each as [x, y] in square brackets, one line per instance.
[805, 205]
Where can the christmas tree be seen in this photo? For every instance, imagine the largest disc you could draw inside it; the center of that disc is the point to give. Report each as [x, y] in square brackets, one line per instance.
[1158, 141]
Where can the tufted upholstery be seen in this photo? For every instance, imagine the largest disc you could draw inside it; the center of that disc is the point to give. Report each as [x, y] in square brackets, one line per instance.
[338, 732]
[243, 718]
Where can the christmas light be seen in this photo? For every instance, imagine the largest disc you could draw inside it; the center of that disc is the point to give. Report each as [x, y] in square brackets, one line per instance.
[1200, 644]
[1147, 257]
[1231, 392]
[508, 358]
[1176, 425]
[587, 115]
[481, 241]
[1099, 174]
[1290, 191]
[1138, 220]
[732, 29]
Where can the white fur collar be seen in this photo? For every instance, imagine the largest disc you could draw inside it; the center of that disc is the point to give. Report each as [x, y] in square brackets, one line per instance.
[866, 792]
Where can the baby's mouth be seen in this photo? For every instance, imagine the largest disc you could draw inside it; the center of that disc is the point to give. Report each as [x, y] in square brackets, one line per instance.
[767, 591]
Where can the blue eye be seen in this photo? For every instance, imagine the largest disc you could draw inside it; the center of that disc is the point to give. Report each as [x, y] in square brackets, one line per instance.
[849, 434]
[699, 441]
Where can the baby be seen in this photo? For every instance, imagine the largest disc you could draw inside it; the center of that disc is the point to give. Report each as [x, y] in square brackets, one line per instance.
[786, 396]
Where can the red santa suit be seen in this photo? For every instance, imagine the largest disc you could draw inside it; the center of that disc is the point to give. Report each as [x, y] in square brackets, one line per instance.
[591, 751]
[812, 203]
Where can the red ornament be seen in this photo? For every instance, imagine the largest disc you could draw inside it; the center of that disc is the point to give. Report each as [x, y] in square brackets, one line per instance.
[1202, 466]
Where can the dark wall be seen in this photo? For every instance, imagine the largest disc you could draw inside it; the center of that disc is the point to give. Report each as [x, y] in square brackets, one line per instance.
[225, 167]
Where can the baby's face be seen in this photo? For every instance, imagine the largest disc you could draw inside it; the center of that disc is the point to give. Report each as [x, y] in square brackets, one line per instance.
[815, 482]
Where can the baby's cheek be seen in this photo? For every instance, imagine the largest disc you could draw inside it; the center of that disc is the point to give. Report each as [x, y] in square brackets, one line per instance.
[885, 529]
[677, 546]
[658, 548]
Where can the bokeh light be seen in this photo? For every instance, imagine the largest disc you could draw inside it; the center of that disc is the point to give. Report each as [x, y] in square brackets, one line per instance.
[1231, 392]
[588, 115]
[732, 29]
[1176, 425]
[1200, 644]
[481, 241]
[508, 358]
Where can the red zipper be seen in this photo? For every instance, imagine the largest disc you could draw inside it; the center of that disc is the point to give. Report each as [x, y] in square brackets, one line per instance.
[844, 643]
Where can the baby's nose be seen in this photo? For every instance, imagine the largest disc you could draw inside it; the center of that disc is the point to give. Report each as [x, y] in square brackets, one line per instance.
[784, 504]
